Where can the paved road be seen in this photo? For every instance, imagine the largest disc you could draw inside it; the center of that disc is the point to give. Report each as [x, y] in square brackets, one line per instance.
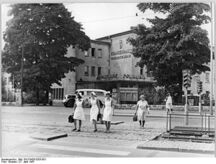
[18, 123]
[81, 147]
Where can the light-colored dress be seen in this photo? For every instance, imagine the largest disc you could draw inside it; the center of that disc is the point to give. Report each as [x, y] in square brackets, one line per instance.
[79, 112]
[94, 109]
[108, 110]
[169, 103]
[142, 110]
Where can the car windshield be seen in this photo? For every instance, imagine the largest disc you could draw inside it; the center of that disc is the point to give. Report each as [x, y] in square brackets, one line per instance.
[98, 93]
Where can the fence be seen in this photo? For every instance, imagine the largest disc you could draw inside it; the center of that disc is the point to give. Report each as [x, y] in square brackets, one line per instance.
[204, 122]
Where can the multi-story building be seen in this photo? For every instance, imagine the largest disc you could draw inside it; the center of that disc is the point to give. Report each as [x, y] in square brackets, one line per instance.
[110, 65]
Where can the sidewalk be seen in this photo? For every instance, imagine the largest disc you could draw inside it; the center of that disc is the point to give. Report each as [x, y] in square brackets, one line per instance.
[152, 113]
[179, 146]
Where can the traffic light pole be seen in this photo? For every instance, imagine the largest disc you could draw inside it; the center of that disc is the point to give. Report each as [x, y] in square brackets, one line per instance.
[186, 107]
[200, 104]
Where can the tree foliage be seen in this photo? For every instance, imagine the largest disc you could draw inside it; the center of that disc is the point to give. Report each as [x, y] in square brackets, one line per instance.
[44, 32]
[173, 43]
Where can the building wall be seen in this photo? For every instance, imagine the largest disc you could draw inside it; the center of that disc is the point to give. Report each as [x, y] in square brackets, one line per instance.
[122, 60]
[205, 78]
[93, 61]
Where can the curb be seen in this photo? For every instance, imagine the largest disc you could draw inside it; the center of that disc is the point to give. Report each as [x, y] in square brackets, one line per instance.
[48, 137]
[176, 149]
[127, 115]
[113, 123]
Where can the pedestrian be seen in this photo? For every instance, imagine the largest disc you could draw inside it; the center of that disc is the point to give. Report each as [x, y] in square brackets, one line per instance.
[142, 110]
[108, 112]
[79, 115]
[95, 109]
[169, 103]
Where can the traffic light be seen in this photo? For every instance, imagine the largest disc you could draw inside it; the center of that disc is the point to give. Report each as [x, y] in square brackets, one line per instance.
[186, 79]
[199, 87]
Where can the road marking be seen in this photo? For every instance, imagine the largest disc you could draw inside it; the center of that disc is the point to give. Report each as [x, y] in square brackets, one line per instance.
[86, 150]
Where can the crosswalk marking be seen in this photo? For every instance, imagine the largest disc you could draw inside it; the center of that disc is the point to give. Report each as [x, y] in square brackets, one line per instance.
[86, 150]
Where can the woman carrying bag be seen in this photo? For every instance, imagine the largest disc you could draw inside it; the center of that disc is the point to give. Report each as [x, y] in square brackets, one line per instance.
[95, 110]
[142, 110]
[79, 115]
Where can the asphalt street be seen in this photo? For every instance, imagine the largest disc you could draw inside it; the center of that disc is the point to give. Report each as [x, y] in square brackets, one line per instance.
[19, 123]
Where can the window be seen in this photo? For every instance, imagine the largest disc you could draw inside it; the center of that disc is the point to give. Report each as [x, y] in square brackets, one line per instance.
[120, 44]
[58, 93]
[99, 53]
[93, 52]
[86, 53]
[86, 71]
[207, 78]
[141, 71]
[93, 70]
[99, 71]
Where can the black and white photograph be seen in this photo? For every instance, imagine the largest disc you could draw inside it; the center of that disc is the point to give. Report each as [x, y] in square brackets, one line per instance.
[120, 80]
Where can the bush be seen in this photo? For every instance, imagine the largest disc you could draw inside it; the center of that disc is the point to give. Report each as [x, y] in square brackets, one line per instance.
[154, 96]
[31, 98]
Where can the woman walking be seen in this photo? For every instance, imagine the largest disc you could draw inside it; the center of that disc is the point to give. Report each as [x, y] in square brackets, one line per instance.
[79, 115]
[108, 111]
[142, 110]
[95, 110]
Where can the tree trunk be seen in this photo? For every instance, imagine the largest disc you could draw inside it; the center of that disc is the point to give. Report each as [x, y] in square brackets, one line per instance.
[37, 96]
[47, 96]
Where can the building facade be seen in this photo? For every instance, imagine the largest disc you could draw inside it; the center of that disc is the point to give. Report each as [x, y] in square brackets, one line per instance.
[110, 65]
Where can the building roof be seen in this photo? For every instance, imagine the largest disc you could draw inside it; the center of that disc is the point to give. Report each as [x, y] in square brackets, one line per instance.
[115, 35]
[100, 42]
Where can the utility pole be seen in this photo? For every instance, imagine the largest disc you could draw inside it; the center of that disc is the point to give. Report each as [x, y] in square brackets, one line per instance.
[211, 62]
[213, 26]
[21, 88]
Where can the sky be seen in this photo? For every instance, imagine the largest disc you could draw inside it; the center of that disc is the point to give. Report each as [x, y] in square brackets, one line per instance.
[101, 19]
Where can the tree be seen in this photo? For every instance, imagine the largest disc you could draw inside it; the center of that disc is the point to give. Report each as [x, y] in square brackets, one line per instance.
[173, 43]
[43, 32]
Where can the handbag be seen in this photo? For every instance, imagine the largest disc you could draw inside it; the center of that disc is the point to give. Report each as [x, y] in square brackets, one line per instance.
[135, 117]
[99, 117]
[70, 118]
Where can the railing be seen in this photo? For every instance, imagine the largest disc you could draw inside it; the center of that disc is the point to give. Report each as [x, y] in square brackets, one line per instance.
[203, 122]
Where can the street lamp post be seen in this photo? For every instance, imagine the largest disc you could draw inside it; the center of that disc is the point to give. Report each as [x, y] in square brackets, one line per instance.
[213, 64]
[213, 25]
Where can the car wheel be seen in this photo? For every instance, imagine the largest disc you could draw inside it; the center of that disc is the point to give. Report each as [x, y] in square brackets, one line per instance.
[65, 104]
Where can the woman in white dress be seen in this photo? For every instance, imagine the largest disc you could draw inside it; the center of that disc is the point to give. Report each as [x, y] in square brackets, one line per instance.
[169, 103]
[95, 109]
[142, 110]
[108, 112]
[79, 115]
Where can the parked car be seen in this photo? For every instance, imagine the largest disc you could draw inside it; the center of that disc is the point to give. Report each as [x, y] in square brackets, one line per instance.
[86, 93]
[69, 100]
